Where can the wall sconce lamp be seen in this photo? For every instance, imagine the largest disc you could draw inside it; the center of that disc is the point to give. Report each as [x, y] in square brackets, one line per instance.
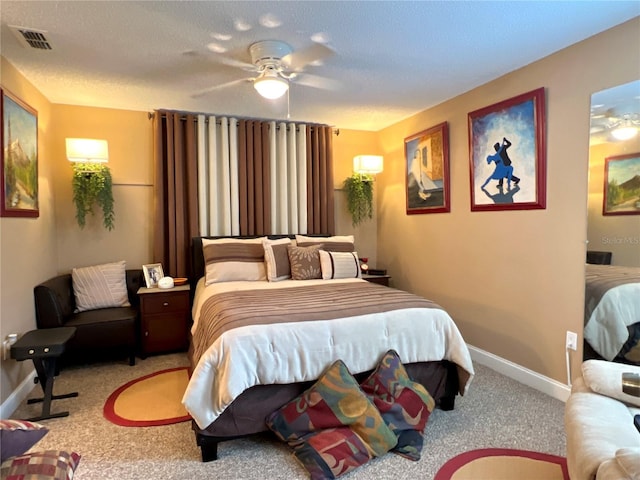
[367, 164]
[87, 150]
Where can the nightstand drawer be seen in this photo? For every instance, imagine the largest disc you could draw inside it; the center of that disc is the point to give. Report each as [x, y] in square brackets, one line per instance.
[165, 303]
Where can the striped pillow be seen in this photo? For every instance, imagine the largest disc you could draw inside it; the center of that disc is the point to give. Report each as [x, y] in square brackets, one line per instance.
[336, 243]
[276, 259]
[100, 286]
[233, 259]
[339, 265]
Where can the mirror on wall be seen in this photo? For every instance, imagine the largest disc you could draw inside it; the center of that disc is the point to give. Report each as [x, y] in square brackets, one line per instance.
[614, 226]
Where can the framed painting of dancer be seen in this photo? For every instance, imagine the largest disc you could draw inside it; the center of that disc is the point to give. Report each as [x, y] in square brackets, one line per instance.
[621, 185]
[19, 158]
[427, 164]
[507, 154]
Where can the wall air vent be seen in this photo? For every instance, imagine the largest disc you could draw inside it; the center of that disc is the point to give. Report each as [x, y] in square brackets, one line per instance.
[31, 38]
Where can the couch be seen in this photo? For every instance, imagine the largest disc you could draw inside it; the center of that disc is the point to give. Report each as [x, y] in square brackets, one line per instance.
[602, 441]
[105, 331]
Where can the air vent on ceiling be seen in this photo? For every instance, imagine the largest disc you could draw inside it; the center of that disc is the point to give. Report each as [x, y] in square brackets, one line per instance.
[30, 37]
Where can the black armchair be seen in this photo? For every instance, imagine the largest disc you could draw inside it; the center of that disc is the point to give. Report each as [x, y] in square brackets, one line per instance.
[107, 330]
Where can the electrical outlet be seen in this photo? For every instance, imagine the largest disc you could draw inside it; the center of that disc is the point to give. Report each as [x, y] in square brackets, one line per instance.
[572, 340]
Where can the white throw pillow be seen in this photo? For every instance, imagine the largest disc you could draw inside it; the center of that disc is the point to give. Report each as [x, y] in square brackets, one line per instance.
[605, 378]
[339, 265]
[100, 286]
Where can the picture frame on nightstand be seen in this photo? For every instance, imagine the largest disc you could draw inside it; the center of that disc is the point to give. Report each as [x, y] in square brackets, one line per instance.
[152, 273]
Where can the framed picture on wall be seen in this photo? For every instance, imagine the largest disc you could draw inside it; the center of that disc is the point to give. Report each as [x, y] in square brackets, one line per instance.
[621, 185]
[427, 170]
[507, 154]
[19, 158]
[152, 273]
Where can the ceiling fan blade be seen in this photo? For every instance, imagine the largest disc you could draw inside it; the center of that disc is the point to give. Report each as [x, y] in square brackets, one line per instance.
[221, 86]
[316, 81]
[298, 59]
[231, 62]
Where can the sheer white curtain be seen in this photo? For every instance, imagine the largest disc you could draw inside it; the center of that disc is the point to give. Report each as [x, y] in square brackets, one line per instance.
[218, 201]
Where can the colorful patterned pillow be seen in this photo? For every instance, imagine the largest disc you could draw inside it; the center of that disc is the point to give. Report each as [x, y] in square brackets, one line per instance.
[45, 465]
[336, 243]
[405, 405]
[233, 259]
[276, 259]
[100, 286]
[332, 427]
[339, 265]
[18, 436]
[305, 262]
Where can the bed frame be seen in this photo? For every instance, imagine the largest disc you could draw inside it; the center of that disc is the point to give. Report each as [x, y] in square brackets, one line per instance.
[245, 416]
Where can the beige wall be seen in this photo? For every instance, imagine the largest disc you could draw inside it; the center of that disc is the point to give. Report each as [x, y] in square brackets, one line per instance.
[619, 234]
[27, 245]
[513, 281]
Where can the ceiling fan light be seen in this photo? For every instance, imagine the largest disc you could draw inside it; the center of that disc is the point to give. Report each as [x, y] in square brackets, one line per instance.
[624, 133]
[271, 87]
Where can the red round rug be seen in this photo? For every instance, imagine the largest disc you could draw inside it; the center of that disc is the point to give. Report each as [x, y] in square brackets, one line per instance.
[149, 401]
[504, 464]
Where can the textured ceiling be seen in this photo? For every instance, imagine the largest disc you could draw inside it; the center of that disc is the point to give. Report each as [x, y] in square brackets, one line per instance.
[392, 59]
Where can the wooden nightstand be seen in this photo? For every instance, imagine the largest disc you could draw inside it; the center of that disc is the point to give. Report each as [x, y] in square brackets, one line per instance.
[379, 279]
[164, 319]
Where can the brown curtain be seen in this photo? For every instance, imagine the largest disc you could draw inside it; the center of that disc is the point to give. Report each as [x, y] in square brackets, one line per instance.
[176, 190]
[320, 212]
[254, 177]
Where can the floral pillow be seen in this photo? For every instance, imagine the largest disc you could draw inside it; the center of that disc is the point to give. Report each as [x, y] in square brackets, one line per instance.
[305, 262]
[332, 427]
[405, 405]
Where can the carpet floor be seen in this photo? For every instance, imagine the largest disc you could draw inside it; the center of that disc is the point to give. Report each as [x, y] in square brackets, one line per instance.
[498, 412]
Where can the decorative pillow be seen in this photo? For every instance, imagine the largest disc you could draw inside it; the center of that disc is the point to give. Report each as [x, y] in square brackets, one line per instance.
[18, 436]
[332, 427]
[46, 465]
[233, 259]
[276, 259]
[339, 265]
[100, 286]
[605, 378]
[336, 243]
[405, 405]
[305, 262]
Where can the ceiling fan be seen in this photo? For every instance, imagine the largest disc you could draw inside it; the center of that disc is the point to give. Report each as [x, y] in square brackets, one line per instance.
[276, 64]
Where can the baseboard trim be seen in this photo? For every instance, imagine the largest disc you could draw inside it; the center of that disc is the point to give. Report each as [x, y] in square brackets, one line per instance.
[521, 374]
[14, 400]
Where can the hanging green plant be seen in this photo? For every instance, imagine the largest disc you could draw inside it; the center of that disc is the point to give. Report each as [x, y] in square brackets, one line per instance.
[92, 184]
[359, 190]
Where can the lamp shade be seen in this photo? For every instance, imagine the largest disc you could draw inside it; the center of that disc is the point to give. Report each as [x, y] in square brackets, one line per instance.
[270, 85]
[87, 150]
[367, 164]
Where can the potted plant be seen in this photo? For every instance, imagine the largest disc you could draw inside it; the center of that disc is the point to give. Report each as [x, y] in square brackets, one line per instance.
[359, 190]
[92, 184]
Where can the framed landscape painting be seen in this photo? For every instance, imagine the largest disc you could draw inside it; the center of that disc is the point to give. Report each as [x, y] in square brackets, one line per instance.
[621, 185]
[427, 164]
[19, 158]
[507, 154]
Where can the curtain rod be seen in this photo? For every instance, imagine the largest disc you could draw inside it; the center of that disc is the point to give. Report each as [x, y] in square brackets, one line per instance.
[183, 116]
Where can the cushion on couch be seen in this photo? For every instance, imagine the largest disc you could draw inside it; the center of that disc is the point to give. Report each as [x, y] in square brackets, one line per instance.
[45, 465]
[332, 426]
[18, 436]
[405, 405]
[100, 286]
[605, 378]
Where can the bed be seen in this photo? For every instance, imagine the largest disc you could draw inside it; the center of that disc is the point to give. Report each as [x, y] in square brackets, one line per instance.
[612, 313]
[257, 344]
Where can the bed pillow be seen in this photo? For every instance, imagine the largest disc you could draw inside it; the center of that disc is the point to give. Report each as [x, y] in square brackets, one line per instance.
[276, 259]
[233, 259]
[405, 405]
[100, 286]
[605, 378]
[45, 465]
[339, 265]
[332, 426]
[305, 262]
[18, 436]
[336, 243]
